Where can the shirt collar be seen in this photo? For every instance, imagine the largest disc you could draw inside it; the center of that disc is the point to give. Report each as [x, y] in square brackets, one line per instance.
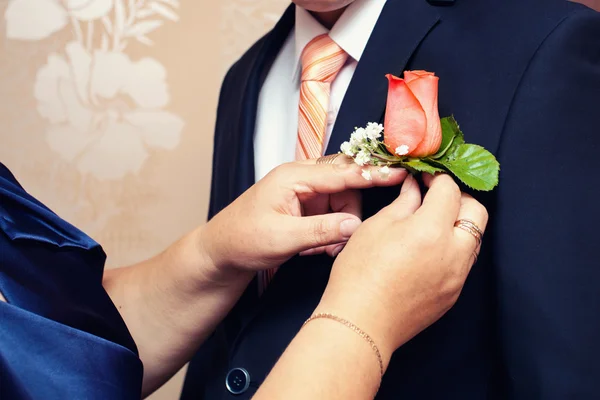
[351, 32]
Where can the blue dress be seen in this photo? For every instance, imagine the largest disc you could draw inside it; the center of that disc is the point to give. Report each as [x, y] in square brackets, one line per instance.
[61, 337]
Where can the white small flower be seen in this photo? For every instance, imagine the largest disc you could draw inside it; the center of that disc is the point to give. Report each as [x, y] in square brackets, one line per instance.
[347, 149]
[362, 158]
[373, 135]
[358, 137]
[361, 133]
[375, 126]
[367, 174]
[384, 172]
[373, 131]
[402, 150]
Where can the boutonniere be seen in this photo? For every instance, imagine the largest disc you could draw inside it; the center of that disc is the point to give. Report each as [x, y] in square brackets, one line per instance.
[415, 138]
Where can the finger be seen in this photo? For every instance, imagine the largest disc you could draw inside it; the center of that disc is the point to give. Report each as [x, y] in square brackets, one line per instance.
[338, 159]
[442, 201]
[307, 233]
[427, 179]
[332, 250]
[315, 251]
[473, 212]
[335, 178]
[349, 202]
[407, 202]
[335, 249]
[314, 204]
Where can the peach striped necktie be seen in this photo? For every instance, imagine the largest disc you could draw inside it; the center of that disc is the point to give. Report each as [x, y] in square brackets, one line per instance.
[322, 60]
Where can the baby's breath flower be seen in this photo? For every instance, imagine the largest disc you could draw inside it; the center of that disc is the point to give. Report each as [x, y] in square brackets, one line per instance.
[362, 158]
[377, 127]
[367, 174]
[384, 172]
[358, 137]
[402, 150]
[348, 149]
[373, 131]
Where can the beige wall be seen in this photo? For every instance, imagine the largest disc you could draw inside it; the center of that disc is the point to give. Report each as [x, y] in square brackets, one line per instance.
[114, 132]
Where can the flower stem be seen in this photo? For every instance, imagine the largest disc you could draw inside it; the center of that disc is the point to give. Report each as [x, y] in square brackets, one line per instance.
[384, 158]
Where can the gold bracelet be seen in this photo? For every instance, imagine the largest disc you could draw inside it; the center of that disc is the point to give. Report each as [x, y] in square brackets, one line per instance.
[356, 329]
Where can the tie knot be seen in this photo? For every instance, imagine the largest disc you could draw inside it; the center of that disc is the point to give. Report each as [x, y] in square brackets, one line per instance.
[322, 59]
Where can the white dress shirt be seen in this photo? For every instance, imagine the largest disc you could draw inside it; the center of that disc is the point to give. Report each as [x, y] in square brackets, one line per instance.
[276, 130]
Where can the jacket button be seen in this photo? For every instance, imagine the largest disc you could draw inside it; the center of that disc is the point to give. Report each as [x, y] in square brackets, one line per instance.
[237, 381]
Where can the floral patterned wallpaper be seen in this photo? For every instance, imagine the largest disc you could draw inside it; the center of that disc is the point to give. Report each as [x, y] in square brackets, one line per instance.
[99, 104]
[242, 23]
[107, 111]
[107, 108]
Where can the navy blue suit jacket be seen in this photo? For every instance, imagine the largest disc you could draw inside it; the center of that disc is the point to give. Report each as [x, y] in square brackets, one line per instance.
[523, 79]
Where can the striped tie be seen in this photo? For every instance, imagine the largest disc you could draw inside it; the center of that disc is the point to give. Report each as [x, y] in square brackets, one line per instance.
[322, 60]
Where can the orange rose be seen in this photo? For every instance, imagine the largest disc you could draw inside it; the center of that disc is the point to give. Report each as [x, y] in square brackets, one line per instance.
[412, 121]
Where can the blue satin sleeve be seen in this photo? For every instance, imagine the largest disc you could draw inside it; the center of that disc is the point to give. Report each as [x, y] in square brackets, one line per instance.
[61, 337]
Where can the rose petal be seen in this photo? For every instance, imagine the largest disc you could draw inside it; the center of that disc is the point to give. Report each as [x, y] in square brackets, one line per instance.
[405, 120]
[412, 75]
[425, 88]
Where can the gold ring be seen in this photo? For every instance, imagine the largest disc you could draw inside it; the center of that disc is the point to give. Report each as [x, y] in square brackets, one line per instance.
[330, 159]
[469, 226]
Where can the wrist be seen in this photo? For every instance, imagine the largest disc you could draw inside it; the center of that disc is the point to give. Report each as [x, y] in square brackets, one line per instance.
[214, 266]
[356, 311]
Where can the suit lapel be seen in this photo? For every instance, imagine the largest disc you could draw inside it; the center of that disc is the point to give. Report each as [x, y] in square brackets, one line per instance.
[399, 31]
[244, 175]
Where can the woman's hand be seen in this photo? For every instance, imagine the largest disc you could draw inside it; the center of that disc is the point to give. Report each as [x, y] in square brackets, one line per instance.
[173, 301]
[298, 207]
[406, 266]
[400, 272]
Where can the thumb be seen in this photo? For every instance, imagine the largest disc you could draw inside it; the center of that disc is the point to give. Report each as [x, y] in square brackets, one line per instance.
[407, 203]
[322, 230]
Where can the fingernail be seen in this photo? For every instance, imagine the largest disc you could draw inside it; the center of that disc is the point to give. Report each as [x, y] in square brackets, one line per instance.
[337, 250]
[348, 227]
[408, 182]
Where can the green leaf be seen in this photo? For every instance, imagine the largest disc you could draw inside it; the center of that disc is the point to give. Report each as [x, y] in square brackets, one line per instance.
[443, 149]
[473, 165]
[460, 137]
[451, 136]
[421, 166]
